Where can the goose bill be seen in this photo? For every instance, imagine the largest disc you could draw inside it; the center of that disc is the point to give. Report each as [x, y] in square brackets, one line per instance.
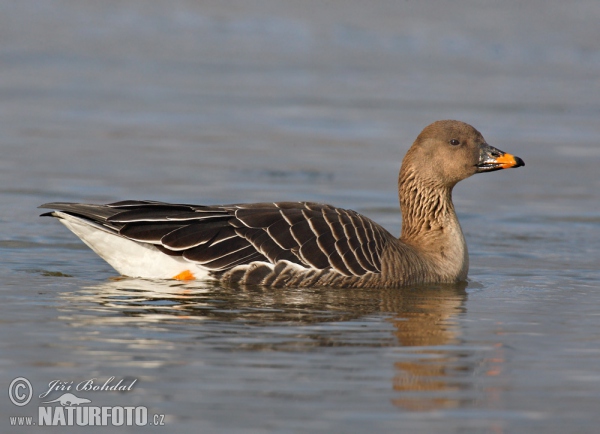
[491, 159]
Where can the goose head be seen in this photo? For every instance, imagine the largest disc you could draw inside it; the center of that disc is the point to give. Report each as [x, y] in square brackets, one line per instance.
[448, 151]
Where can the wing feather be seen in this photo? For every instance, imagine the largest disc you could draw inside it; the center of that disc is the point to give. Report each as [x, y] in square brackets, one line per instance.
[258, 218]
[301, 232]
[192, 235]
[205, 254]
[311, 253]
[149, 232]
[281, 234]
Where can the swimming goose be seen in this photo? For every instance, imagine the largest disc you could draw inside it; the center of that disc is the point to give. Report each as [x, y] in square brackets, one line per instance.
[301, 243]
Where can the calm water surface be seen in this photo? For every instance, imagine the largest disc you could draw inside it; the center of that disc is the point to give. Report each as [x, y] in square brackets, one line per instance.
[286, 100]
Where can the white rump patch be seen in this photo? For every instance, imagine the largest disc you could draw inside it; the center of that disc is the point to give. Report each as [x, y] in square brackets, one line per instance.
[129, 258]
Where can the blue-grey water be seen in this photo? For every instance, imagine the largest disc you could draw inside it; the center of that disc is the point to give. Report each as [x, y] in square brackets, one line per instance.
[241, 101]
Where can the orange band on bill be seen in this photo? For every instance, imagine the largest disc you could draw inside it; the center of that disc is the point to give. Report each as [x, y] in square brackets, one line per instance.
[506, 161]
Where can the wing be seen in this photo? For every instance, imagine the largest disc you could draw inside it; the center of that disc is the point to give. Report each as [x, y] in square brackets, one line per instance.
[221, 237]
[314, 235]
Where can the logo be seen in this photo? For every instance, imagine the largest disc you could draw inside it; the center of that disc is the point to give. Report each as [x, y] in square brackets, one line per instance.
[20, 391]
[70, 409]
[68, 400]
[91, 385]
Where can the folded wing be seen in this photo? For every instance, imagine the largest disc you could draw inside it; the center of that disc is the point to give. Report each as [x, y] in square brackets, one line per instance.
[222, 237]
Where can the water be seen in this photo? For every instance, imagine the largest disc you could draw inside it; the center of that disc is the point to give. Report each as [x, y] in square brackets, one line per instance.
[262, 101]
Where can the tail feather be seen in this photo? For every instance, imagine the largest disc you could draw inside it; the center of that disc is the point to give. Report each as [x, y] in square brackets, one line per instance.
[94, 214]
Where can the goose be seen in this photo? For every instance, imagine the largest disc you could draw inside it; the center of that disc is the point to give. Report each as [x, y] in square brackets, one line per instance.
[301, 244]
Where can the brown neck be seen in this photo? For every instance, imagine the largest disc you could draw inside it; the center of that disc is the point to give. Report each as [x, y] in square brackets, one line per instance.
[430, 226]
[426, 207]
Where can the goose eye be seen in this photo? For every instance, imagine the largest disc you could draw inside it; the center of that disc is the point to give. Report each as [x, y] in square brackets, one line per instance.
[454, 142]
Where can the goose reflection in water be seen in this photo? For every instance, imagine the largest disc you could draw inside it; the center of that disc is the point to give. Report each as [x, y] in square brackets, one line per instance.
[420, 326]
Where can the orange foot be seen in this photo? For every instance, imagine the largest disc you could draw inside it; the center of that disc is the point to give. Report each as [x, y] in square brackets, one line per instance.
[185, 275]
